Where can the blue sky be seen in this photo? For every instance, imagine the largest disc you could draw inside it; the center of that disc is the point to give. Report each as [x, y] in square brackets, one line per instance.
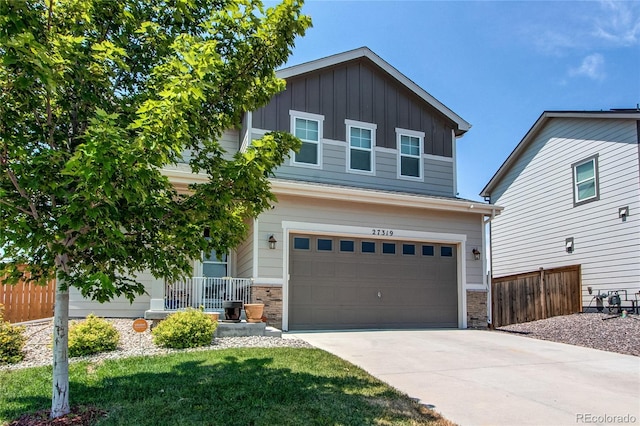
[498, 64]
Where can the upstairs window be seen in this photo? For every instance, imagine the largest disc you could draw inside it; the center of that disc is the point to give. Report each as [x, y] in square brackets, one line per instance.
[308, 128]
[410, 147]
[361, 137]
[585, 181]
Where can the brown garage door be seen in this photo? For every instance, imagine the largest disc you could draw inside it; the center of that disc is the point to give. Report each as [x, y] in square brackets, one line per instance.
[344, 283]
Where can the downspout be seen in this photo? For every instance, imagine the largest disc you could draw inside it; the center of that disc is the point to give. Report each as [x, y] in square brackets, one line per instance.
[486, 277]
[455, 160]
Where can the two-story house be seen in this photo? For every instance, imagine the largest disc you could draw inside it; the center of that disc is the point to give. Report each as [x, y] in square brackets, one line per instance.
[367, 231]
[571, 196]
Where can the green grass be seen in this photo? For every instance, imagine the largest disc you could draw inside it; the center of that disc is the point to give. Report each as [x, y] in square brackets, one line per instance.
[247, 386]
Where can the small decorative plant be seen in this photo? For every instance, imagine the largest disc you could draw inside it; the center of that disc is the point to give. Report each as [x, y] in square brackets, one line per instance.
[12, 341]
[91, 336]
[185, 329]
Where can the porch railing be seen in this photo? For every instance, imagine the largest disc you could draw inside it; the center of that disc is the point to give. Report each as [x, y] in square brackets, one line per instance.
[207, 292]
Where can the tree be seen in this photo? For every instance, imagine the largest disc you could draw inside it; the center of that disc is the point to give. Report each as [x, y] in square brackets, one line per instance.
[96, 97]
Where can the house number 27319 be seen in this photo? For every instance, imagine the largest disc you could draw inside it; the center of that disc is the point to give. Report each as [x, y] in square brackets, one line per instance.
[383, 232]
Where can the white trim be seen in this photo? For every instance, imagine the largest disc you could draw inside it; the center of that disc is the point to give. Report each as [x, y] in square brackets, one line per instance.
[274, 282]
[369, 196]
[459, 240]
[365, 52]
[476, 287]
[256, 248]
[412, 134]
[293, 115]
[372, 127]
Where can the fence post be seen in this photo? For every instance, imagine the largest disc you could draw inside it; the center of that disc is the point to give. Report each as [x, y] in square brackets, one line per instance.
[543, 298]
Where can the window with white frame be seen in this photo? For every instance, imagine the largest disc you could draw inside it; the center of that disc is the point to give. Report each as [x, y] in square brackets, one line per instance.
[362, 140]
[308, 128]
[410, 147]
[585, 181]
[214, 267]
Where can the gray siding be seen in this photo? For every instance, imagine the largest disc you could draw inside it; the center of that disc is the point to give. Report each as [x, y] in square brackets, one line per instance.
[358, 90]
[438, 174]
[539, 213]
[229, 141]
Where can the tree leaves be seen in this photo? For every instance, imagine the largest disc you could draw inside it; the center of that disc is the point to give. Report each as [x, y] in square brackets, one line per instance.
[96, 97]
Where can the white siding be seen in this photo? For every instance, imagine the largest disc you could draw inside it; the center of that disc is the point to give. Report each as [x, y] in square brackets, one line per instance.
[117, 308]
[539, 213]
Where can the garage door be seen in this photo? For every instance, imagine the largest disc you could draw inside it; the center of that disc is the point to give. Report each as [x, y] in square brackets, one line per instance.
[346, 283]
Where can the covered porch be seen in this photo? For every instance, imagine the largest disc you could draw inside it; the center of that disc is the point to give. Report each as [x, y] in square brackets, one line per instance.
[205, 293]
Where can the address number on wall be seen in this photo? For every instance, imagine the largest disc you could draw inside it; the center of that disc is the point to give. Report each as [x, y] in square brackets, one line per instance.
[383, 232]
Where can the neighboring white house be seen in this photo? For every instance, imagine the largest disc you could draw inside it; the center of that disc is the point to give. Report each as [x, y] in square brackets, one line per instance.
[571, 195]
[367, 232]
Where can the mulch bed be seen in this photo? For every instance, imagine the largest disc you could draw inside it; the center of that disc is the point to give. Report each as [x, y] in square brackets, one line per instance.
[79, 416]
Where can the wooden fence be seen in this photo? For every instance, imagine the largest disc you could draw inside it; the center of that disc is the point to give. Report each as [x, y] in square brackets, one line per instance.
[535, 295]
[26, 302]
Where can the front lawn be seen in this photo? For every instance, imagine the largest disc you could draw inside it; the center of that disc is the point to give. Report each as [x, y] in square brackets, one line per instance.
[244, 386]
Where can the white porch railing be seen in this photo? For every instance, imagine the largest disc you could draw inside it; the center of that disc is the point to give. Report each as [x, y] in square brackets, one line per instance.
[206, 292]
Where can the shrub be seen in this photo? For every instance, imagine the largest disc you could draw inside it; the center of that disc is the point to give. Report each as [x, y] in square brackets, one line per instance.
[12, 341]
[92, 336]
[185, 329]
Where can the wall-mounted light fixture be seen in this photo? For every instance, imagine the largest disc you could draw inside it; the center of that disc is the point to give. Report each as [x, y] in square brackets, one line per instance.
[272, 242]
[568, 245]
[623, 212]
[476, 253]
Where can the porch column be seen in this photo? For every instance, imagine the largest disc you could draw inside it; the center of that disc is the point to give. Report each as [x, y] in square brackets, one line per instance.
[157, 295]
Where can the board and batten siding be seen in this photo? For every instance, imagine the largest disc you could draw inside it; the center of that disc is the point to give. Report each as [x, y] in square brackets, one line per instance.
[539, 212]
[358, 90]
[309, 210]
[437, 180]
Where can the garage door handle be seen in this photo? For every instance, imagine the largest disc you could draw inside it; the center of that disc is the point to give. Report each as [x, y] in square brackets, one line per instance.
[379, 294]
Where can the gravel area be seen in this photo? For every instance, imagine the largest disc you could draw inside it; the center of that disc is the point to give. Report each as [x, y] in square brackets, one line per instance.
[594, 330]
[38, 348]
[607, 332]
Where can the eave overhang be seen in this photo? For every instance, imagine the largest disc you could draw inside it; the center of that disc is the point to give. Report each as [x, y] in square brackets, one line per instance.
[540, 123]
[364, 52]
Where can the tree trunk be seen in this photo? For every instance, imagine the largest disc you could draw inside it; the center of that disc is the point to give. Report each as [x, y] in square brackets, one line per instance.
[60, 396]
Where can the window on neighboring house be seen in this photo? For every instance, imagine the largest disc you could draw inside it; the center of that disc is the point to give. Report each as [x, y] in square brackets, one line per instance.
[362, 140]
[307, 127]
[585, 181]
[410, 154]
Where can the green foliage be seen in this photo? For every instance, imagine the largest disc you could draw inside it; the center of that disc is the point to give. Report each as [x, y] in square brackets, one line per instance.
[185, 329]
[96, 97]
[12, 341]
[91, 336]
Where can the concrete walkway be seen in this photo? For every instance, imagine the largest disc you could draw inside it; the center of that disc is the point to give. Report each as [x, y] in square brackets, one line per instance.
[477, 377]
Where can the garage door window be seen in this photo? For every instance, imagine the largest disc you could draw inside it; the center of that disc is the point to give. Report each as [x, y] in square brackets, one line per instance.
[347, 246]
[300, 243]
[427, 250]
[388, 248]
[368, 247]
[446, 251]
[325, 245]
[409, 249]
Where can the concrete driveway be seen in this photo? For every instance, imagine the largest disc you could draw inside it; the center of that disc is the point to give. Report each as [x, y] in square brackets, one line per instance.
[478, 377]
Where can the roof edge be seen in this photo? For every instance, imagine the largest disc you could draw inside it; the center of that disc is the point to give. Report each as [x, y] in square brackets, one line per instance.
[539, 123]
[365, 52]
